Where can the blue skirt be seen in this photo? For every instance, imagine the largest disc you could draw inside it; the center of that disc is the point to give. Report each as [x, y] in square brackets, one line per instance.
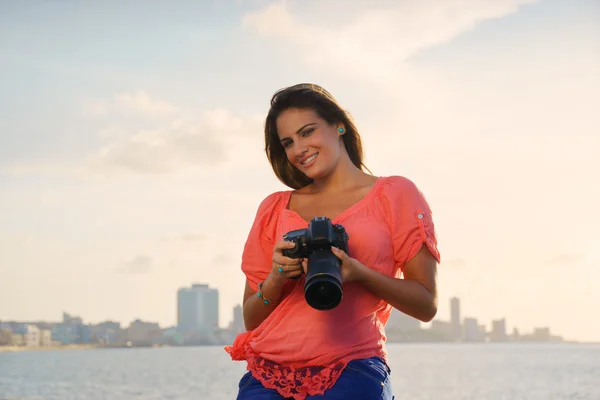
[364, 379]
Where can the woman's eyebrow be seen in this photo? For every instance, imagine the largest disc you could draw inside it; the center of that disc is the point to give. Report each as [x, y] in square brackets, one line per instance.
[301, 129]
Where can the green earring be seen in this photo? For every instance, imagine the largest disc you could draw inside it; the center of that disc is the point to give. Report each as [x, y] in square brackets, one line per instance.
[341, 130]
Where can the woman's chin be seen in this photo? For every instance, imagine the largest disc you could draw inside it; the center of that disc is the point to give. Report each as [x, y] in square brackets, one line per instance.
[316, 174]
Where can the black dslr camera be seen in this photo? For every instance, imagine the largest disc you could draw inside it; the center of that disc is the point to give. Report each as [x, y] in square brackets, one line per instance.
[323, 286]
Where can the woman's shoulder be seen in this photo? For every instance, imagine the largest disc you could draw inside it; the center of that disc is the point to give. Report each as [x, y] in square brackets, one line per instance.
[272, 202]
[401, 193]
[398, 185]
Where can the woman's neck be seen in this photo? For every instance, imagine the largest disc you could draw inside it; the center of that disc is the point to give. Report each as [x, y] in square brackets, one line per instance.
[345, 175]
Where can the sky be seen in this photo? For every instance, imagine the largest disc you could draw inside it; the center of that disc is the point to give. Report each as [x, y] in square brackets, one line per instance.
[132, 162]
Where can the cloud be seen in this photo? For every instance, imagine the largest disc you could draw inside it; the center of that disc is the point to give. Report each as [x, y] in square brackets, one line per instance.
[138, 103]
[141, 103]
[141, 264]
[163, 138]
[94, 108]
[149, 136]
[372, 43]
[160, 151]
[138, 134]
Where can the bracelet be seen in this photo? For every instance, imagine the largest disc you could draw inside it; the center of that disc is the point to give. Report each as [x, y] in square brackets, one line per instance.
[261, 296]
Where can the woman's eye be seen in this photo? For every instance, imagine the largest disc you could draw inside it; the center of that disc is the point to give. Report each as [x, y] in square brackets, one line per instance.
[307, 132]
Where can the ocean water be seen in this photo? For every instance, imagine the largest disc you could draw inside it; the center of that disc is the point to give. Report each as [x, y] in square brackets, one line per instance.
[419, 372]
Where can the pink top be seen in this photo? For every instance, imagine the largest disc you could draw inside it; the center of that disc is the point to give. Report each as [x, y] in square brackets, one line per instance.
[300, 351]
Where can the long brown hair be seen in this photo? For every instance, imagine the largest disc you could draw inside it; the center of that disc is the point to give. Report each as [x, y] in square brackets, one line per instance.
[313, 97]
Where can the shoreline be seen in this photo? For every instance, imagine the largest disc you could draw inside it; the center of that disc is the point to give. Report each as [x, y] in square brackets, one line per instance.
[18, 349]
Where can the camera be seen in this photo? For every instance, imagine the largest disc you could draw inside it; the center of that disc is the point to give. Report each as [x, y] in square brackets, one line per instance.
[323, 285]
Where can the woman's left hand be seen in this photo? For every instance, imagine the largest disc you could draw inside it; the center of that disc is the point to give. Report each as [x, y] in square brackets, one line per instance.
[351, 267]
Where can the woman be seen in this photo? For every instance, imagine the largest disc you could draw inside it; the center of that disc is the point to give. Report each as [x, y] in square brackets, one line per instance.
[293, 350]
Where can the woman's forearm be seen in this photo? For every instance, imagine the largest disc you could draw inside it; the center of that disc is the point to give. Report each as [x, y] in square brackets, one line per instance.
[406, 295]
[255, 310]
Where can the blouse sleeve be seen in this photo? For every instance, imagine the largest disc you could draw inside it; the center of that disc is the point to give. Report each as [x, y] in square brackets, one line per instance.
[258, 249]
[410, 219]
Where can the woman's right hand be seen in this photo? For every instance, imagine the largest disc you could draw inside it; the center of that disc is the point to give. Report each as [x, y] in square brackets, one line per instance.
[257, 308]
[284, 268]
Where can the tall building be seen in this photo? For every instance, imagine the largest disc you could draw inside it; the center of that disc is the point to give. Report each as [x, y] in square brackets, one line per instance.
[198, 308]
[455, 325]
[237, 324]
[498, 333]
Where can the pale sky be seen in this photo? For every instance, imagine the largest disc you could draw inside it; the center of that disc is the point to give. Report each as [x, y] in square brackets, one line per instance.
[131, 159]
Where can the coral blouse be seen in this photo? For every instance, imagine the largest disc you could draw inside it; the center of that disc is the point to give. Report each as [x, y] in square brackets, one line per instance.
[300, 351]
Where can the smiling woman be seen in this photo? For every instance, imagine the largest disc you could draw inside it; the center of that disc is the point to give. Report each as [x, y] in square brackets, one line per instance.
[296, 113]
[293, 349]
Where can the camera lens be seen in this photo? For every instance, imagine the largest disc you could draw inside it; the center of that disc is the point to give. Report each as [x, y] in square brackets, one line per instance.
[323, 294]
[323, 287]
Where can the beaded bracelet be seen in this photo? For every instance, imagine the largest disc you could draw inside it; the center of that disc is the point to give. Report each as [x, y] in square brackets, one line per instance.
[261, 296]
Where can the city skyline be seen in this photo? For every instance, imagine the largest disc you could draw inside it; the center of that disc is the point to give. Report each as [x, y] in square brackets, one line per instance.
[132, 152]
[226, 316]
[195, 314]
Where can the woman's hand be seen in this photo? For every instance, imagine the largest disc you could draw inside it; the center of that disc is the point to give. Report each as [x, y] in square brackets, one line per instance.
[284, 268]
[351, 267]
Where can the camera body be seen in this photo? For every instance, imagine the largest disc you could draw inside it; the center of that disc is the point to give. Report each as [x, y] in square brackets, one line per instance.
[323, 286]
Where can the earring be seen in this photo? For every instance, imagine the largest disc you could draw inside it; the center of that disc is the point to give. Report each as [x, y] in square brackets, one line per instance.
[341, 130]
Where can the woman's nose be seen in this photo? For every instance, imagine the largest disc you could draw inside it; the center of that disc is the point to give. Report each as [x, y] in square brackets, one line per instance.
[300, 149]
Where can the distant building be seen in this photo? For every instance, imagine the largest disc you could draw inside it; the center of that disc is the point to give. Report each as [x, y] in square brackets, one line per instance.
[32, 336]
[18, 339]
[541, 334]
[85, 334]
[170, 336]
[442, 329]
[45, 337]
[401, 322]
[19, 328]
[456, 330]
[515, 335]
[140, 332]
[71, 320]
[71, 331]
[6, 337]
[105, 332]
[198, 308]
[65, 334]
[237, 324]
[498, 332]
[473, 332]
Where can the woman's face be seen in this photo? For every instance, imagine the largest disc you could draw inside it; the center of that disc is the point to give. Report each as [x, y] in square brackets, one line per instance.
[311, 144]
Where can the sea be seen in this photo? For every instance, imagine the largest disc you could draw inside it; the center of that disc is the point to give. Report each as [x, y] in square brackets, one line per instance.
[461, 371]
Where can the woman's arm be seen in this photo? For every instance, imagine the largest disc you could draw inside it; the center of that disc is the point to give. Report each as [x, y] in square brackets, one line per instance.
[254, 308]
[415, 295]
